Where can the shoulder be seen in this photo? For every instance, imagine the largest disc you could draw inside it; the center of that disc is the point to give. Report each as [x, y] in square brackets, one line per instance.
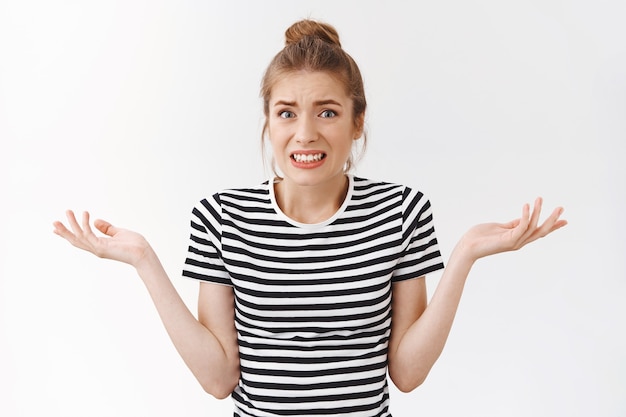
[370, 186]
[413, 202]
[258, 193]
[234, 202]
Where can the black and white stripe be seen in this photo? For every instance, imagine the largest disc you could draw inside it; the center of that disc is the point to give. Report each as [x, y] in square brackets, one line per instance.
[313, 309]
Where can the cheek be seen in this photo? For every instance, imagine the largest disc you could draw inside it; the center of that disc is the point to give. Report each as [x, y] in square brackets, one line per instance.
[275, 132]
[276, 148]
[275, 141]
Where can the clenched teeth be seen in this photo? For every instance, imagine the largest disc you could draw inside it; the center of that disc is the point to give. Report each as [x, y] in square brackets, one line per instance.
[308, 157]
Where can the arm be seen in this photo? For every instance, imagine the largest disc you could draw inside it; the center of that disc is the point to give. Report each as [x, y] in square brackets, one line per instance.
[419, 332]
[207, 345]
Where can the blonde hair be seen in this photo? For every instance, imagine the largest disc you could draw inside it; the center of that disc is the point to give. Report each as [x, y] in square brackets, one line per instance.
[314, 46]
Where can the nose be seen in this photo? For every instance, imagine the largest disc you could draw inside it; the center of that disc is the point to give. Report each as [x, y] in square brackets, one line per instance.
[306, 130]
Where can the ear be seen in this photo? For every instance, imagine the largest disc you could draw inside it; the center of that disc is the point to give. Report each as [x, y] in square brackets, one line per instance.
[359, 122]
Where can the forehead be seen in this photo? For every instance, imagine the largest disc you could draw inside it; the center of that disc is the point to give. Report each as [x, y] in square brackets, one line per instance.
[307, 85]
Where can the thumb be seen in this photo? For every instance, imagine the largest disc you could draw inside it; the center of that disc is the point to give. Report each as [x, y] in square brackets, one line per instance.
[105, 227]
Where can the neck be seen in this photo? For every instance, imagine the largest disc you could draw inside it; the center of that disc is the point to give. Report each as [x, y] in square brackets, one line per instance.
[311, 204]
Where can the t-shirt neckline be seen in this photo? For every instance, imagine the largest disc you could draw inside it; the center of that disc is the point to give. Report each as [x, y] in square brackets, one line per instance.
[339, 212]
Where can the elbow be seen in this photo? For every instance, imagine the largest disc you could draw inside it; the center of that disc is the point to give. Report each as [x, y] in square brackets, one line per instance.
[407, 386]
[407, 382]
[220, 388]
[218, 393]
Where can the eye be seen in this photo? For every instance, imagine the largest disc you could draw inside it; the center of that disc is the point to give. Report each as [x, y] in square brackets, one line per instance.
[328, 113]
[286, 114]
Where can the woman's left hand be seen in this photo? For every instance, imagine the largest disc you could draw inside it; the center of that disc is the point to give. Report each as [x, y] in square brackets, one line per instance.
[491, 238]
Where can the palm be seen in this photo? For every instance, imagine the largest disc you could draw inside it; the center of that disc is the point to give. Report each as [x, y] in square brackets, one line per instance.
[117, 244]
[491, 238]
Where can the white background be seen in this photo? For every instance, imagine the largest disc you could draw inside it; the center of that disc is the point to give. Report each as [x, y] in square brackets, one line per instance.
[135, 110]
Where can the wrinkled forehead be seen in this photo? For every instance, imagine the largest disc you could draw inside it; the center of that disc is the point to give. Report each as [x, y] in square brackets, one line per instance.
[309, 86]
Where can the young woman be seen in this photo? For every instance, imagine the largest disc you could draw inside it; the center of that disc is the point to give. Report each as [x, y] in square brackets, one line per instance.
[312, 284]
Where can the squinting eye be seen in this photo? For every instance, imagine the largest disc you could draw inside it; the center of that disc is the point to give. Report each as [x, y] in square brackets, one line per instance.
[286, 114]
[328, 113]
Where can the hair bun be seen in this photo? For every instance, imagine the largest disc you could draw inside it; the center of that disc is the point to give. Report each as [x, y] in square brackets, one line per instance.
[312, 29]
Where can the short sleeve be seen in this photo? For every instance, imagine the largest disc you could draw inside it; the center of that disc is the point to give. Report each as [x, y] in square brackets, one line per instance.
[420, 250]
[204, 258]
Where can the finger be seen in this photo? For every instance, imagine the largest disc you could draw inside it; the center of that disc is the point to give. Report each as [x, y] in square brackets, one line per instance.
[532, 222]
[86, 226]
[65, 233]
[71, 220]
[522, 222]
[511, 225]
[554, 222]
[61, 230]
[560, 223]
[534, 219]
[551, 224]
[517, 228]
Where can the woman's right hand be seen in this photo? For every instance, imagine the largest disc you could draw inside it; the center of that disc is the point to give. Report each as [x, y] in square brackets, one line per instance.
[117, 244]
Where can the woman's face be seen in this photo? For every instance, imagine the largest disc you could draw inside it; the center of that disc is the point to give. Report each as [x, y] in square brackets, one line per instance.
[311, 127]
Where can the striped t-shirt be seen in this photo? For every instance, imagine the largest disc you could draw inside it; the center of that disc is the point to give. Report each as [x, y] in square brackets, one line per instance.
[313, 301]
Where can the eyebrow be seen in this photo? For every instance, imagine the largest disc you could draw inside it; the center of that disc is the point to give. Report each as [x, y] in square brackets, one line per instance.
[317, 103]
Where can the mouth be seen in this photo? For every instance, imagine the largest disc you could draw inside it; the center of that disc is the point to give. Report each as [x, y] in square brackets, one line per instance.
[308, 158]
